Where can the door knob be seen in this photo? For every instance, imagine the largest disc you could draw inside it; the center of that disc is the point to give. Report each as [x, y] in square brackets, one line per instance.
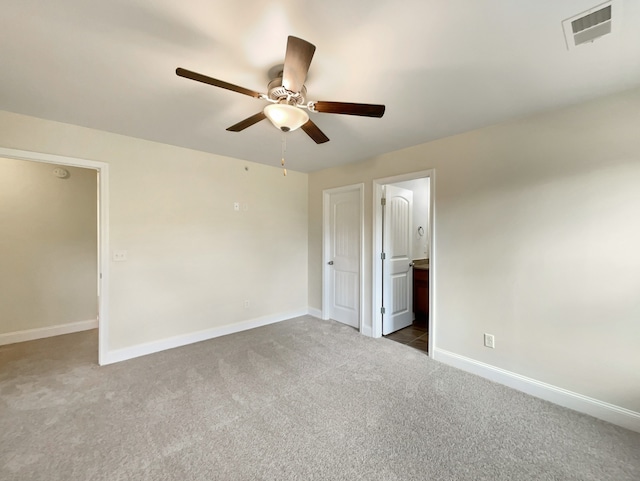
[330, 263]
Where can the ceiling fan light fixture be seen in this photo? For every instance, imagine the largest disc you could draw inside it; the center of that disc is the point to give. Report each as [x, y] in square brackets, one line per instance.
[289, 95]
[286, 117]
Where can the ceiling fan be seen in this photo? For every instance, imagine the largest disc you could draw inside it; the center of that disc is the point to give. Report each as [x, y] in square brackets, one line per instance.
[287, 95]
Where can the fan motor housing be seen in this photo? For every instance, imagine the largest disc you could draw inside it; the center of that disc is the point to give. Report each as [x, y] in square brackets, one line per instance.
[277, 92]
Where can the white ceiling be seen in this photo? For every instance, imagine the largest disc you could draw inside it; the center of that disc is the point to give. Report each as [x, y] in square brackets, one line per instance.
[441, 67]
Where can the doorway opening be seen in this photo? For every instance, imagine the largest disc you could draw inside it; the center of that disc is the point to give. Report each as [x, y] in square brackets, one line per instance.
[342, 251]
[403, 258]
[102, 173]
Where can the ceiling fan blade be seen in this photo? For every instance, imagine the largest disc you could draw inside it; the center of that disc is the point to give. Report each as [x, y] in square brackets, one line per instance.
[215, 82]
[364, 110]
[248, 122]
[296, 63]
[314, 132]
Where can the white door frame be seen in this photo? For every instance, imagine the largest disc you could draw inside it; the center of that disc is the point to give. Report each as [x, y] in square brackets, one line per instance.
[376, 295]
[103, 225]
[326, 246]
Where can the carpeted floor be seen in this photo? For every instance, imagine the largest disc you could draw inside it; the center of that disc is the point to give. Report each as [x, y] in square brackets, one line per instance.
[299, 400]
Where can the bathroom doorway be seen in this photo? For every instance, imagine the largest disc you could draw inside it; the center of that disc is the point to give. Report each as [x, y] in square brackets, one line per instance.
[403, 259]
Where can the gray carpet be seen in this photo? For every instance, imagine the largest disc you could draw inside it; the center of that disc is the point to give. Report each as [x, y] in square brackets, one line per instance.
[300, 400]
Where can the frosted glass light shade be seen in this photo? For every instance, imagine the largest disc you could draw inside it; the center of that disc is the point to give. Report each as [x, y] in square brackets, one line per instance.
[286, 117]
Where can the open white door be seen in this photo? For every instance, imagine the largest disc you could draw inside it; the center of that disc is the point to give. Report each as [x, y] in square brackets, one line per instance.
[397, 275]
[344, 257]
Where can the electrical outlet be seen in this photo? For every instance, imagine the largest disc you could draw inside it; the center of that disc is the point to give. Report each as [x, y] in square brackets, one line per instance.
[489, 341]
[247, 304]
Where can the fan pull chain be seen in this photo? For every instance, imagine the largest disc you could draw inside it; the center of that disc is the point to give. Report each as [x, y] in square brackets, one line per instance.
[284, 149]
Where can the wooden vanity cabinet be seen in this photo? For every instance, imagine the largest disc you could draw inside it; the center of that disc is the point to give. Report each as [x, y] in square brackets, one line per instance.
[421, 296]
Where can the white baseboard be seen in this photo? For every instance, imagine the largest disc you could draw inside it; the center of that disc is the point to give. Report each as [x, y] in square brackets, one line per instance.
[599, 409]
[183, 340]
[366, 331]
[49, 331]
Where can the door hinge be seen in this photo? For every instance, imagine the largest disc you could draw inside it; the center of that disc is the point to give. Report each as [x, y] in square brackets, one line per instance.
[382, 310]
[383, 256]
[383, 201]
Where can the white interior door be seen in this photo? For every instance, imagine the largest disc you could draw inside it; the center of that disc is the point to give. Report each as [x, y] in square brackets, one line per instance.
[344, 257]
[397, 274]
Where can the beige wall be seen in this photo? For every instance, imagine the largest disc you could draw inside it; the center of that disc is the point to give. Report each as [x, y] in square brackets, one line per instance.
[48, 246]
[536, 230]
[192, 260]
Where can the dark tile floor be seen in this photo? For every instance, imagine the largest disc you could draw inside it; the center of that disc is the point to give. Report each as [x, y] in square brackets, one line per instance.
[414, 336]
